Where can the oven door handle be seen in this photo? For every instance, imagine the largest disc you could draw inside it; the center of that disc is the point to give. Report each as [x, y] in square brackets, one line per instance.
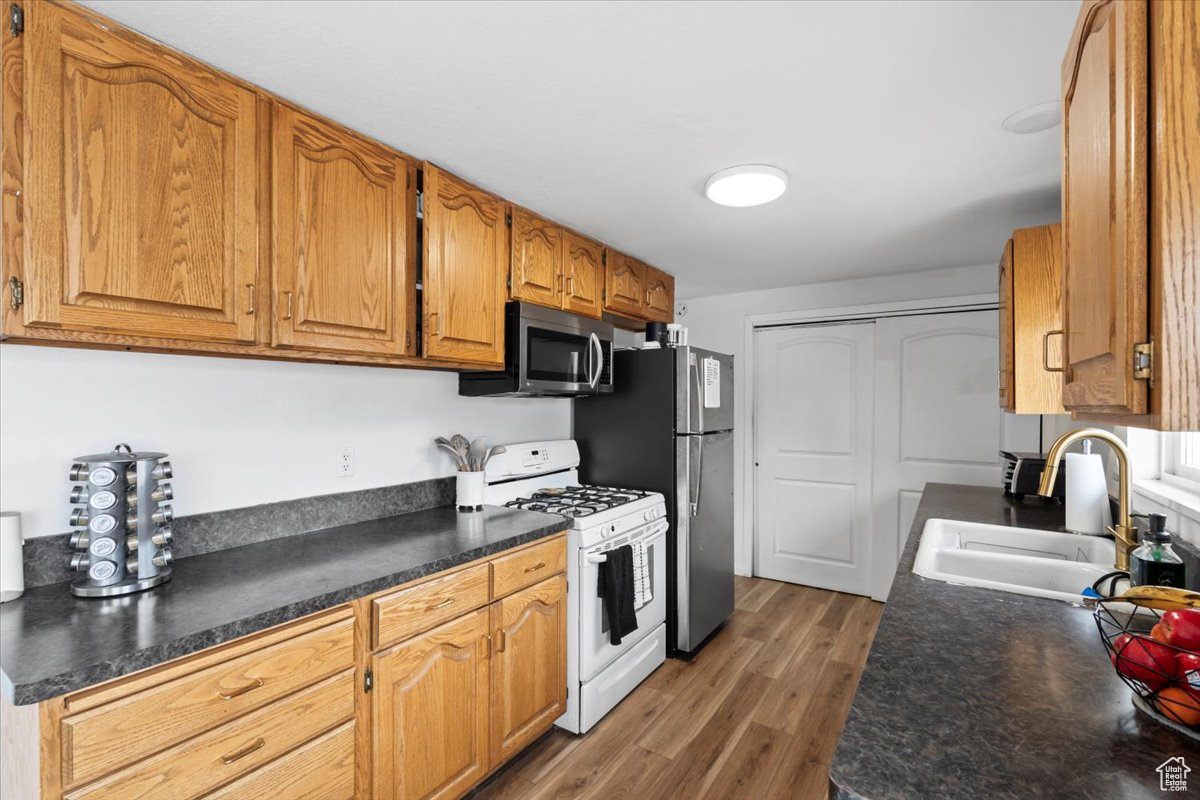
[656, 532]
[595, 350]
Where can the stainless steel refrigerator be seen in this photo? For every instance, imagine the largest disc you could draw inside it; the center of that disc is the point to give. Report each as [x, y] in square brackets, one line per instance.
[668, 427]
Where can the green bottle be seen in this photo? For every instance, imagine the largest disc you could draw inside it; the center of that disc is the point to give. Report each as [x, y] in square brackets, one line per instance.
[1154, 562]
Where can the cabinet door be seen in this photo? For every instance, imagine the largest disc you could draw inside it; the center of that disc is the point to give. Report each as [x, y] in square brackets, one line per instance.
[529, 666]
[583, 275]
[341, 214]
[660, 296]
[537, 259]
[1105, 208]
[431, 712]
[140, 188]
[466, 260]
[1004, 374]
[624, 284]
[1036, 317]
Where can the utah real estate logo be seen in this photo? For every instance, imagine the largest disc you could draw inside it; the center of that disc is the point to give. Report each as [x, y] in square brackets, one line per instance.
[1172, 775]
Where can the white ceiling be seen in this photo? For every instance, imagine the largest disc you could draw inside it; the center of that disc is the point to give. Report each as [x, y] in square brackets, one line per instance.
[608, 116]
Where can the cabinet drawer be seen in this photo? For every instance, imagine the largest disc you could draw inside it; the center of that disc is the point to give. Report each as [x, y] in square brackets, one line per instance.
[122, 731]
[211, 759]
[527, 567]
[419, 608]
[323, 769]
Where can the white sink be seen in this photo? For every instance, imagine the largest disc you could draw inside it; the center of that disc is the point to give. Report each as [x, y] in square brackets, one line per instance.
[1018, 560]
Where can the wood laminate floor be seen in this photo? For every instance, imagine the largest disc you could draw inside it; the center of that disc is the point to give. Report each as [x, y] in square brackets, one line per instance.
[755, 715]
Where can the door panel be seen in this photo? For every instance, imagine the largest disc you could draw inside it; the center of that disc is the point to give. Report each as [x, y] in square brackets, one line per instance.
[660, 296]
[935, 418]
[431, 712]
[624, 284]
[1105, 203]
[704, 538]
[466, 259]
[529, 665]
[537, 259]
[814, 394]
[341, 211]
[141, 192]
[584, 274]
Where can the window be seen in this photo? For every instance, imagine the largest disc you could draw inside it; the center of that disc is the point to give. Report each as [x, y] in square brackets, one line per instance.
[1181, 459]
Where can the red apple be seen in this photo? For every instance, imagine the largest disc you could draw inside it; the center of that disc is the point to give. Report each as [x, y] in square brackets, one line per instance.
[1143, 659]
[1181, 626]
[1187, 670]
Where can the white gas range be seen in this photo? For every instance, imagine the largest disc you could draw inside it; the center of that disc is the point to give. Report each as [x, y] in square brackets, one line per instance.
[543, 476]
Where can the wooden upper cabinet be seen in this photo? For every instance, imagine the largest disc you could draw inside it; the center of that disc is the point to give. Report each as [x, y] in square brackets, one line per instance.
[466, 260]
[660, 296]
[529, 665]
[1031, 322]
[1004, 373]
[431, 712]
[1131, 176]
[536, 272]
[583, 276]
[141, 173]
[624, 284]
[1105, 203]
[342, 207]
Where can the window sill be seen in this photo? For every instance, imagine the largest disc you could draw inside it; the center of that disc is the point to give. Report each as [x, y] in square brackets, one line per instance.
[1184, 502]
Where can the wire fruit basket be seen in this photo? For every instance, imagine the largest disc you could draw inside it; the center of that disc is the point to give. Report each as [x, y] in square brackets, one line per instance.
[1163, 676]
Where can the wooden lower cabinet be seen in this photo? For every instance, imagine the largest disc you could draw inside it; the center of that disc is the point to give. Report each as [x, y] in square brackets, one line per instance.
[529, 666]
[333, 706]
[431, 712]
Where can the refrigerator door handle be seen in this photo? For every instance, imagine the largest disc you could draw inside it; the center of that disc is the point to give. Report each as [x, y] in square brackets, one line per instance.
[598, 350]
[698, 470]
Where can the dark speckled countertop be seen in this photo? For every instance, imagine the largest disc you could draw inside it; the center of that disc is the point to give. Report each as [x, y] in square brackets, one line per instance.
[52, 642]
[976, 693]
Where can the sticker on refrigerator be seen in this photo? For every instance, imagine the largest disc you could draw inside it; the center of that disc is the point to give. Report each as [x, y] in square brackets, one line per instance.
[712, 383]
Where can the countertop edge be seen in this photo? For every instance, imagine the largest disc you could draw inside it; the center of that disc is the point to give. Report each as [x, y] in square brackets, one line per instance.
[136, 660]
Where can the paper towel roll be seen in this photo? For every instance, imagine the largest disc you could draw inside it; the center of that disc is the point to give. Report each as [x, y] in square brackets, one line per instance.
[12, 566]
[1087, 494]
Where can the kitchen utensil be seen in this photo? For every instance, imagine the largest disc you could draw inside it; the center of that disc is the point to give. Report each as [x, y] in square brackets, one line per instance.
[124, 547]
[478, 452]
[494, 451]
[458, 459]
[463, 446]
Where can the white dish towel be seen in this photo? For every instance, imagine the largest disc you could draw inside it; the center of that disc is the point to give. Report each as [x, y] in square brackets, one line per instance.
[641, 576]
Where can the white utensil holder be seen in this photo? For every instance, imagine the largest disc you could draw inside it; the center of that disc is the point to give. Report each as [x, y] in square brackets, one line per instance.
[470, 491]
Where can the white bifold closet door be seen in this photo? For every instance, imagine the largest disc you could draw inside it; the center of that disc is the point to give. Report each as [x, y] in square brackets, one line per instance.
[850, 422]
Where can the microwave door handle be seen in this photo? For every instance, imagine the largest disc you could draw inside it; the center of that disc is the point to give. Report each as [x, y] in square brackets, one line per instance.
[598, 350]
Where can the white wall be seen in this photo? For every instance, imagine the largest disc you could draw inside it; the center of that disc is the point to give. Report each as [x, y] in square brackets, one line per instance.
[239, 432]
[718, 323]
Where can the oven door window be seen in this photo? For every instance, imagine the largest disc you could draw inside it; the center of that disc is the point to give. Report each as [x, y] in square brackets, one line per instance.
[556, 356]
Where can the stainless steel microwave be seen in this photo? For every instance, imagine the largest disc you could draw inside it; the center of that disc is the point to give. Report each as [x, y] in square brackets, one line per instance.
[547, 353]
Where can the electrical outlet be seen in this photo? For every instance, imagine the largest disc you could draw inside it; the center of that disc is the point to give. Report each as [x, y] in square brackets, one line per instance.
[343, 464]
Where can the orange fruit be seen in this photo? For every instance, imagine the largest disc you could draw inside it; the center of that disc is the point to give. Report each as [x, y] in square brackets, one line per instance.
[1158, 634]
[1180, 705]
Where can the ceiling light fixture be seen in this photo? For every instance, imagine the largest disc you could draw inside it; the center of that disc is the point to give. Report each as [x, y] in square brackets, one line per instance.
[1038, 117]
[747, 185]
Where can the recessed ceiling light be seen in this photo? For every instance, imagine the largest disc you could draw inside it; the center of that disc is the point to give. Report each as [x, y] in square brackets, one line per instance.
[1039, 117]
[747, 185]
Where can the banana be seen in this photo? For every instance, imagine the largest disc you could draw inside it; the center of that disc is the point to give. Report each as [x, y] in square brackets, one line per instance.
[1163, 598]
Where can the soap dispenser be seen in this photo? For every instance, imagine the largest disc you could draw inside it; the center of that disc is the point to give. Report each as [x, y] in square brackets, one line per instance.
[1154, 562]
